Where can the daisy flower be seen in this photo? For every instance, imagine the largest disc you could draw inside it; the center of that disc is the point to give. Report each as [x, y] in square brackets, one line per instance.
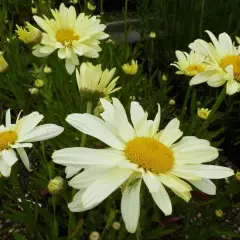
[20, 135]
[223, 62]
[189, 64]
[92, 79]
[3, 63]
[138, 152]
[71, 35]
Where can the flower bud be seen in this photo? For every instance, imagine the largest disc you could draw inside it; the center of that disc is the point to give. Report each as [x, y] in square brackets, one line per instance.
[30, 34]
[33, 91]
[116, 226]
[172, 102]
[203, 113]
[34, 10]
[56, 185]
[3, 63]
[237, 176]
[130, 69]
[164, 77]
[90, 6]
[39, 83]
[219, 213]
[94, 236]
[152, 35]
[47, 69]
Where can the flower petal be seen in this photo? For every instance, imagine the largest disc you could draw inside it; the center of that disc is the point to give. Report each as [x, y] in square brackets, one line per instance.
[205, 171]
[186, 196]
[8, 119]
[161, 198]
[80, 157]
[169, 136]
[43, 132]
[152, 182]
[5, 170]
[104, 186]
[130, 206]
[9, 157]
[205, 185]
[232, 87]
[71, 171]
[95, 127]
[174, 182]
[24, 157]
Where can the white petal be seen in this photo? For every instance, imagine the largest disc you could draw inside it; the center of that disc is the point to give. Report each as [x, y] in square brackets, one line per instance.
[156, 122]
[70, 171]
[138, 116]
[104, 186]
[163, 201]
[201, 78]
[70, 66]
[8, 118]
[9, 157]
[22, 145]
[79, 157]
[130, 206]
[27, 123]
[24, 157]
[43, 132]
[169, 136]
[174, 182]
[95, 127]
[186, 196]
[87, 177]
[195, 154]
[5, 170]
[152, 182]
[232, 87]
[216, 80]
[205, 185]
[205, 171]
[76, 206]
[173, 124]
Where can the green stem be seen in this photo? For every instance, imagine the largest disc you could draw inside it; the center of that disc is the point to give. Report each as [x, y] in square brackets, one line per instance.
[184, 108]
[201, 17]
[213, 111]
[101, 8]
[126, 18]
[88, 110]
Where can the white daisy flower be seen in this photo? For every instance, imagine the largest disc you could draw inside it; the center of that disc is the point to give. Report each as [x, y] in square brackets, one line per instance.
[71, 35]
[189, 64]
[138, 153]
[92, 79]
[223, 62]
[20, 135]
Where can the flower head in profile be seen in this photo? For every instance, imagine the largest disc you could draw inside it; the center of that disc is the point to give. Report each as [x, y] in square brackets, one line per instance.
[138, 152]
[223, 62]
[152, 35]
[3, 63]
[20, 135]
[130, 68]
[93, 80]
[70, 35]
[189, 64]
[29, 35]
[203, 112]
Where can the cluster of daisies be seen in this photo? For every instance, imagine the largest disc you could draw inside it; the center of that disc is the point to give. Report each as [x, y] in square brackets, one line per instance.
[136, 151]
[215, 63]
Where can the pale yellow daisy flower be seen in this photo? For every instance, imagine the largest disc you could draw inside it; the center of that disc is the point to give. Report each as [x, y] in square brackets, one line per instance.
[130, 68]
[138, 152]
[71, 35]
[203, 112]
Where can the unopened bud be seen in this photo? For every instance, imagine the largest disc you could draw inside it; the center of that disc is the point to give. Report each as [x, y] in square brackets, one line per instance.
[164, 77]
[47, 69]
[237, 176]
[219, 213]
[94, 236]
[3, 63]
[33, 91]
[116, 226]
[56, 185]
[39, 83]
[152, 35]
[172, 102]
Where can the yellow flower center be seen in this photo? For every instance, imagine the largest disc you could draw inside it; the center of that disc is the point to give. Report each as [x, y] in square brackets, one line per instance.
[7, 138]
[150, 154]
[66, 36]
[235, 62]
[193, 70]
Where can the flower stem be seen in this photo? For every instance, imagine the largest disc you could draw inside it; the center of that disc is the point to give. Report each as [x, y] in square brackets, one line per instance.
[201, 17]
[184, 108]
[215, 107]
[88, 110]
